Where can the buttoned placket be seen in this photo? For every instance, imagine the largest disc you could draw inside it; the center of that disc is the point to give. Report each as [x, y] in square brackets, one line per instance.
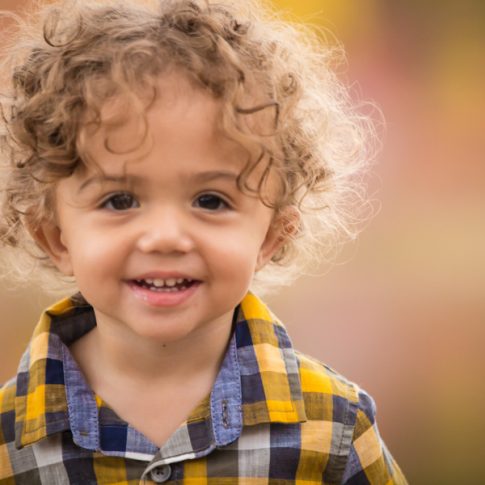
[225, 418]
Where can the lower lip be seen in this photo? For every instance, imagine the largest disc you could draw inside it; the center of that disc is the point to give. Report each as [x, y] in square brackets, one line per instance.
[163, 298]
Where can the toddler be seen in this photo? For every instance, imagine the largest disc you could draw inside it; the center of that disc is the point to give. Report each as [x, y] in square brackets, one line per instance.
[168, 160]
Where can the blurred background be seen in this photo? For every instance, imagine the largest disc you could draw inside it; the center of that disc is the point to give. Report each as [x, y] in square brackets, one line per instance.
[405, 315]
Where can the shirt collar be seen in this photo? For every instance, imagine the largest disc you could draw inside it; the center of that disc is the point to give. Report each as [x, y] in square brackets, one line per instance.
[40, 404]
[258, 381]
[269, 374]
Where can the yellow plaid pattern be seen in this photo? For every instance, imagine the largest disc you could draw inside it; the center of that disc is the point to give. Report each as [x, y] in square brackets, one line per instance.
[274, 417]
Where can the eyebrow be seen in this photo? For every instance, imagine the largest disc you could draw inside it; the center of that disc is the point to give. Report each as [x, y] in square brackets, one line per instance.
[104, 178]
[211, 175]
[198, 177]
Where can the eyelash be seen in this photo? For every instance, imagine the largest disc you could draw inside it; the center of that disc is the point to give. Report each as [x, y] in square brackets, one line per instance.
[221, 201]
[117, 196]
[107, 203]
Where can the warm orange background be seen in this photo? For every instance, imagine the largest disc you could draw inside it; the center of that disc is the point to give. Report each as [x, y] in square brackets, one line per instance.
[405, 316]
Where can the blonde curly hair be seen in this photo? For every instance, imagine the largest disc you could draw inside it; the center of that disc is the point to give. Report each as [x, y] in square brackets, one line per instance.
[63, 62]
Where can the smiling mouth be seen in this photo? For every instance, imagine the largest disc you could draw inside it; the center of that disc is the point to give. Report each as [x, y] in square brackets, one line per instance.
[170, 285]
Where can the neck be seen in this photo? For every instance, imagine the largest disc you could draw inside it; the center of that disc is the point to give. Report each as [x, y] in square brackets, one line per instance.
[119, 358]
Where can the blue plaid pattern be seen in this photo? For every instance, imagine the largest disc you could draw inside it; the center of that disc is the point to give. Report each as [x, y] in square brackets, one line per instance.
[274, 416]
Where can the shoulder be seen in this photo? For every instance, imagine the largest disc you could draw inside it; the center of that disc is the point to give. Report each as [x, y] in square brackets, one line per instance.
[352, 404]
[8, 392]
[320, 382]
[320, 378]
[333, 401]
[343, 416]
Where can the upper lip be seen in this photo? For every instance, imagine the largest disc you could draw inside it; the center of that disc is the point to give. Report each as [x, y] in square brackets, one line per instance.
[164, 275]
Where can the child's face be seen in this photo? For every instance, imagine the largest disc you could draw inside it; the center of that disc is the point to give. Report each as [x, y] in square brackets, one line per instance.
[160, 216]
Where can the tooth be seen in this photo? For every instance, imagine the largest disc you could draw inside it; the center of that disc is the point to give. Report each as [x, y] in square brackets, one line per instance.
[149, 281]
[157, 282]
[180, 280]
[170, 282]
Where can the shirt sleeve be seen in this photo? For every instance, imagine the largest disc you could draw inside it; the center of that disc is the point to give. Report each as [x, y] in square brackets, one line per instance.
[369, 460]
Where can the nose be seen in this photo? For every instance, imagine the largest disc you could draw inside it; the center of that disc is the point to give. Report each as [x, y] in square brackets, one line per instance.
[165, 230]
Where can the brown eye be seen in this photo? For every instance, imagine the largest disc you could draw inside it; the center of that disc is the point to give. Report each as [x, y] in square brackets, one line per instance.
[211, 202]
[120, 202]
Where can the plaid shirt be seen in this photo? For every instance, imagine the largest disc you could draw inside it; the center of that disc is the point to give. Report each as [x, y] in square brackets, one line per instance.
[274, 416]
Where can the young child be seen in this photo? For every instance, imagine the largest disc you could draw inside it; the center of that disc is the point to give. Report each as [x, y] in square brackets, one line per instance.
[165, 158]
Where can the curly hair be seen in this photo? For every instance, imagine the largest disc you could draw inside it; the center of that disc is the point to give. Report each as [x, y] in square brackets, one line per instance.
[66, 60]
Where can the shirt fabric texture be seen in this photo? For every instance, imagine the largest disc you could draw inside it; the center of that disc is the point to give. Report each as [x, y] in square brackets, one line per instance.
[274, 417]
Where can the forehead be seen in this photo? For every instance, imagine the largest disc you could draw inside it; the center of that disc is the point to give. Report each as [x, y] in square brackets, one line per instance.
[177, 123]
[173, 113]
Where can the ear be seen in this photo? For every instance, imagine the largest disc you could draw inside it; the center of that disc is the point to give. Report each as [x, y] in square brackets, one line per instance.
[284, 225]
[49, 238]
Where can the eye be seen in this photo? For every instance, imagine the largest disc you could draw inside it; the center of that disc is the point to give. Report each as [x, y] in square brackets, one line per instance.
[121, 201]
[211, 202]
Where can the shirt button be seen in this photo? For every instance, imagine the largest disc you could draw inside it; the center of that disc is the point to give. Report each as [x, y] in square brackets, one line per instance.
[161, 473]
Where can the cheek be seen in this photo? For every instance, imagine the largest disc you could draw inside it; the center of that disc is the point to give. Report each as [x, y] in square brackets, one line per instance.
[95, 255]
[234, 256]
